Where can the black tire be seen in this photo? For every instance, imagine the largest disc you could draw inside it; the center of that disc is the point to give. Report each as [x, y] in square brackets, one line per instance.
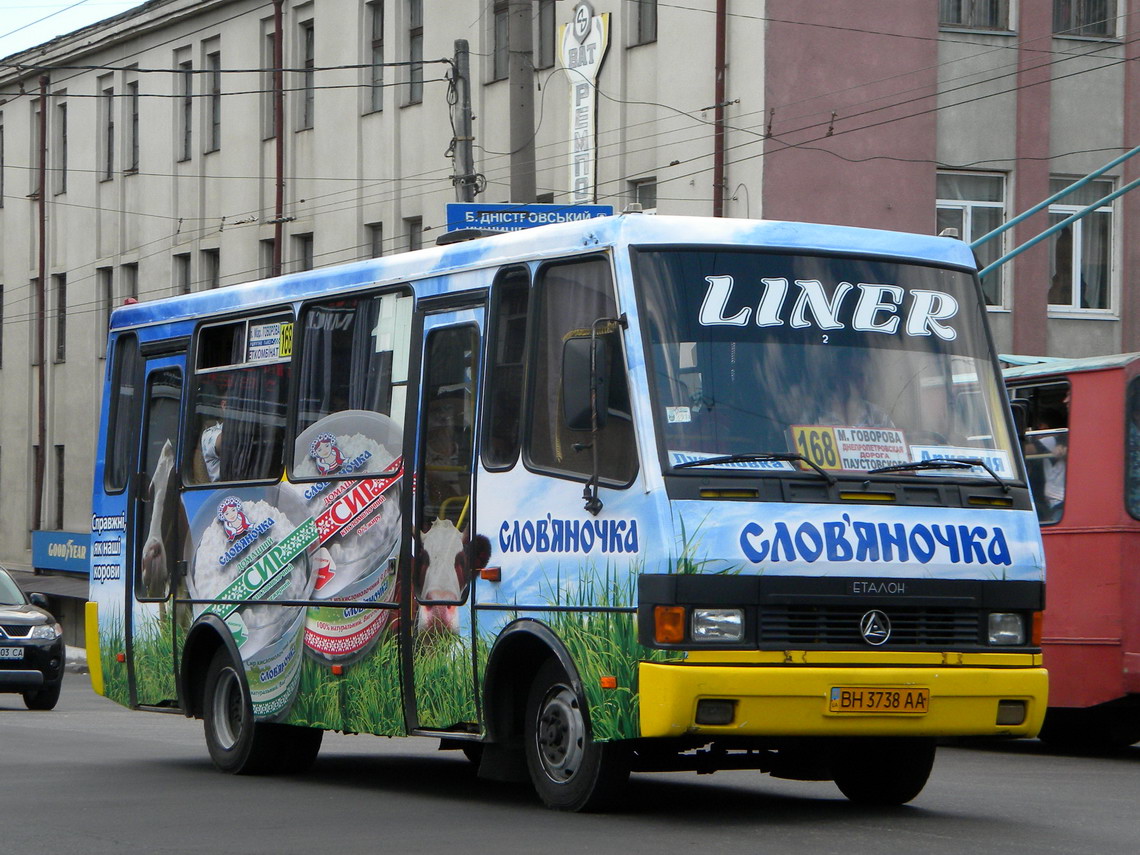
[43, 699]
[473, 751]
[883, 772]
[237, 743]
[568, 769]
[300, 747]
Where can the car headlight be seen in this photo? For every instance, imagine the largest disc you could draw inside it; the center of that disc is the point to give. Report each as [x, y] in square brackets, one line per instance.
[718, 624]
[47, 631]
[1006, 629]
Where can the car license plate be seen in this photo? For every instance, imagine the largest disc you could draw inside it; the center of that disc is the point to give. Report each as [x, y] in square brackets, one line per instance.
[865, 699]
[11, 653]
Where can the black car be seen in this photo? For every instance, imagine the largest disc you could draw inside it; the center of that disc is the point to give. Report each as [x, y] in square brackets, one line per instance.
[31, 646]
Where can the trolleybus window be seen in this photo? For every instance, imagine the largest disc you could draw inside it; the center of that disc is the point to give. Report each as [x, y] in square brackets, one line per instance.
[853, 364]
[242, 381]
[1132, 453]
[1046, 445]
[571, 297]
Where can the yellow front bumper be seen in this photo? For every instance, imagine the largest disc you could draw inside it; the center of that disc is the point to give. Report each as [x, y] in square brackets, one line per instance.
[787, 694]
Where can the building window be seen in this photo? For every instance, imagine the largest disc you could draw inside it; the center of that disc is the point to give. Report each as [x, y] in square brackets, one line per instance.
[129, 277]
[33, 171]
[376, 56]
[37, 307]
[265, 253]
[132, 127]
[546, 41]
[1, 325]
[182, 282]
[1, 160]
[644, 193]
[415, 51]
[500, 46]
[303, 251]
[414, 228]
[308, 75]
[212, 268]
[974, 205]
[107, 104]
[59, 288]
[60, 486]
[269, 87]
[105, 288]
[375, 233]
[60, 153]
[1096, 18]
[185, 110]
[1081, 253]
[645, 24]
[214, 81]
[974, 14]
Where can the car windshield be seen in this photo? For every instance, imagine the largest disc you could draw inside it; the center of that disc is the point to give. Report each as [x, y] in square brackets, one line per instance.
[854, 364]
[10, 593]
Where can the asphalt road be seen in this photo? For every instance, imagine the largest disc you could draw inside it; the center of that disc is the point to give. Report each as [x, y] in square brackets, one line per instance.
[91, 777]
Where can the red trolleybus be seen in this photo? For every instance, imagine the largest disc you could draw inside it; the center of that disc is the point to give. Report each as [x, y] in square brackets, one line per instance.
[1081, 428]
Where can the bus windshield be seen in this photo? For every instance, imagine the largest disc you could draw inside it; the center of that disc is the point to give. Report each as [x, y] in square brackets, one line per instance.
[853, 364]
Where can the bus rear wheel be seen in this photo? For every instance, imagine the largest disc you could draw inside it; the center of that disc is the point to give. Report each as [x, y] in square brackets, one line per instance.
[239, 744]
[569, 770]
[883, 771]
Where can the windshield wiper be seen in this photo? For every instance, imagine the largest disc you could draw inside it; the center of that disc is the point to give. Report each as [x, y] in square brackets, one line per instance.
[755, 457]
[942, 463]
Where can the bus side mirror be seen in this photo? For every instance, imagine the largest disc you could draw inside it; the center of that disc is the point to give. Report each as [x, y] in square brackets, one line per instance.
[584, 378]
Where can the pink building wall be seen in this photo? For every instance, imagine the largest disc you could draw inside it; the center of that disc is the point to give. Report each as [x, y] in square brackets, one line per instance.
[876, 167]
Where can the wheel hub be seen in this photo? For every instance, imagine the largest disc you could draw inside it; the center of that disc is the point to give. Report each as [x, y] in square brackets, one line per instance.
[561, 734]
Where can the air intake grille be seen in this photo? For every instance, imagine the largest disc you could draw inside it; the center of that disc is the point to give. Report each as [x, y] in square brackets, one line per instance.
[808, 626]
[15, 630]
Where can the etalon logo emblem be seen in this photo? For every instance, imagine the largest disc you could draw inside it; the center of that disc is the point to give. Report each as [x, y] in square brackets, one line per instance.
[875, 627]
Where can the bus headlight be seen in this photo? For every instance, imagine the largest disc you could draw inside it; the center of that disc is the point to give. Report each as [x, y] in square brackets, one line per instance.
[1006, 629]
[718, 625]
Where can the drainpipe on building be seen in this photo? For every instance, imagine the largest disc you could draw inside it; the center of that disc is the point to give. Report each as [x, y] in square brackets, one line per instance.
[718, 111]
[278, 137]
[41, 299]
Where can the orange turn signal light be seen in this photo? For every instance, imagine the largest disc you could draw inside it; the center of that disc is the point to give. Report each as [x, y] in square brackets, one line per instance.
[337, 669]
[491, 574]
[609, 682]
[1035, 631]
[668, 624]
[120, 657]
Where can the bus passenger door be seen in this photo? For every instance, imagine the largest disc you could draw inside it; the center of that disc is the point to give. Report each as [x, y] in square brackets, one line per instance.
[441, 633]
[158, 530]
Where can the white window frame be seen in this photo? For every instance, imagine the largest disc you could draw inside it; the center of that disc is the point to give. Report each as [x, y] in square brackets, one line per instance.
[967, 207]
[1074, 307]
[967, 24]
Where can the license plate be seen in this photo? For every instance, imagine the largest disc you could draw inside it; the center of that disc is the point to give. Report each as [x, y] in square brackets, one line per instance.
[11, 653]
[863, 699]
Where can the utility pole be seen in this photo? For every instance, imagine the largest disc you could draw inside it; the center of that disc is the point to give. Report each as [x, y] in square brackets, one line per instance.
[464, 179]
[521, 80]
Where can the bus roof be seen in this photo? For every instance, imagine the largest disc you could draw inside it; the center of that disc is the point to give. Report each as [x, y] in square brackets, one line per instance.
[587, 235]
[1041, 366]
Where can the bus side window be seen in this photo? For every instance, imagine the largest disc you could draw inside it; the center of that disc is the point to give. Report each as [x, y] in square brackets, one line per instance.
[570, 297]
[1045, 445]
[354, 355]
[507, 353]
[237, 427]
[1132, 451]
[125, 400]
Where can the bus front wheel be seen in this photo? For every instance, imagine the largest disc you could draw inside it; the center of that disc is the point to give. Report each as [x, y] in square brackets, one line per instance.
[568, 769]
[883, 771]
[237, 743]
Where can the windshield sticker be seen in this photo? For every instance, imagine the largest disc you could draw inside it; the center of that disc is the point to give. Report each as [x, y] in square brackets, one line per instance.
[678, 457]
[876, 308]
[852, 448]
[997, 459]
[678, 415]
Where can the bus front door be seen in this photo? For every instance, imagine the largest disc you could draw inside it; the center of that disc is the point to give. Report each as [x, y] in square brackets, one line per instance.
[441, 634]
[157, 535]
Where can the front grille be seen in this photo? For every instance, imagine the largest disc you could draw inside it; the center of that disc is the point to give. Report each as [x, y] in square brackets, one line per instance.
[807, 626]
[15, 630]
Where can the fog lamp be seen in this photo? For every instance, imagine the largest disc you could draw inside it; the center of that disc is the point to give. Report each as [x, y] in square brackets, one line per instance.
[1011, 712]
[1006, 629]
[718, 624]
[715, 711]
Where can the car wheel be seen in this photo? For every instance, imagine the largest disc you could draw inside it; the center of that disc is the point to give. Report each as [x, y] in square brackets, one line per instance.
[237, 743]
[300, 747]
[883, 771]
[568, 769]
[43, 699]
